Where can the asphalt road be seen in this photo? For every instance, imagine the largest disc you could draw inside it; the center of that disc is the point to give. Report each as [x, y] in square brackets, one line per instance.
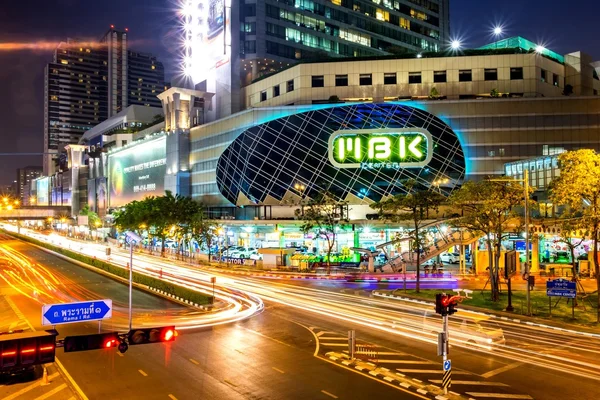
[265, 357]
[516, 371]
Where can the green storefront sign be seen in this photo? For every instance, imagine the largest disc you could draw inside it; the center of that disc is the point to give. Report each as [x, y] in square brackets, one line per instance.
[380, 148]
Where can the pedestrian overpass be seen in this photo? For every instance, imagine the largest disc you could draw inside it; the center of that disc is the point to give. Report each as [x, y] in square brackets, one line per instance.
[36, 212]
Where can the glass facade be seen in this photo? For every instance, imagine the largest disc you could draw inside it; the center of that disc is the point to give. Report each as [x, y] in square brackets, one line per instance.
[268, 161]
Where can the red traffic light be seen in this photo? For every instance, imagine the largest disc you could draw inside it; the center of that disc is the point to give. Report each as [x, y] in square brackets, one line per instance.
[91, 342]
[19, 350]
[152, 335]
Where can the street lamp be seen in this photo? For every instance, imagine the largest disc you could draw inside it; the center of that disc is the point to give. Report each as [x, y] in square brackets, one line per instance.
[133, 239]
[497, 31]
[455, 44]
[525, 182]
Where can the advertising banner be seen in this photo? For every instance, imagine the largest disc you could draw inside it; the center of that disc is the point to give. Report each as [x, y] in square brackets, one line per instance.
[42, 191]
[137, 172]
[208, 32]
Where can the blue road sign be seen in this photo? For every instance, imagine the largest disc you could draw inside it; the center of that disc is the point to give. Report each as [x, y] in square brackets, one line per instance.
[561, 288]
[85, 311]
[447, 365]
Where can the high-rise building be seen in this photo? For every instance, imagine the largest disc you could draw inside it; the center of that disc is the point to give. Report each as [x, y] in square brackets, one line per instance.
[86, 83]
[24, 178]
[146, 79]
[227, 48]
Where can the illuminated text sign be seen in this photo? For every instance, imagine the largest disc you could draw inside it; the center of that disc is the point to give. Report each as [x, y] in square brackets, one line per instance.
[380, 148]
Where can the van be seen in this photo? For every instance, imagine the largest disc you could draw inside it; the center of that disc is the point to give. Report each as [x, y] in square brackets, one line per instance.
[469, 330]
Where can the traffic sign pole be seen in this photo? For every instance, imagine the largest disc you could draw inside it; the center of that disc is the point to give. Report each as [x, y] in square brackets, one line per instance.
[445, 348]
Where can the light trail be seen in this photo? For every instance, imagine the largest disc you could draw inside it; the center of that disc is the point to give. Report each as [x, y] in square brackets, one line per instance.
[542, 347]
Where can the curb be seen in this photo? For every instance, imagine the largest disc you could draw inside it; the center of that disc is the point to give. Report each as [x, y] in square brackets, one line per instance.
[398, 379]
[476, 310]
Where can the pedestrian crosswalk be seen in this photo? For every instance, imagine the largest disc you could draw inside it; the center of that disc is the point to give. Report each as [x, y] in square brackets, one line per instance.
[409, 371]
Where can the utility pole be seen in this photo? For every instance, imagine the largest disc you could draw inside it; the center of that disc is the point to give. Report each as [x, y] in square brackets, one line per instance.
[527, 261]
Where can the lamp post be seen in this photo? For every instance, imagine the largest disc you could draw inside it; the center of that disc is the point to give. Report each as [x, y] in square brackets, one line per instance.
[525, 182]
[133, 239]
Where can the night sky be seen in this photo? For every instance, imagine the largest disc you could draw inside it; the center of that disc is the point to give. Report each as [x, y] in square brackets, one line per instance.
[153, 27]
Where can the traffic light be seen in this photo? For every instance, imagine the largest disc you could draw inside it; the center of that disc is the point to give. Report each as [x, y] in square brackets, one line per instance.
[151, 335]
[22, 350]
[91, 342]
[440, 305]
[452, 307]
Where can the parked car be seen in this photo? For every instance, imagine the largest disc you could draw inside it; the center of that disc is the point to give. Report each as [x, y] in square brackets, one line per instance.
[450, 258]
[467, 330]
[243, 252]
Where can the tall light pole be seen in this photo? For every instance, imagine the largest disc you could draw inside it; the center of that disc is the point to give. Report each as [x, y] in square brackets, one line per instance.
[133, 239]
[525, 182]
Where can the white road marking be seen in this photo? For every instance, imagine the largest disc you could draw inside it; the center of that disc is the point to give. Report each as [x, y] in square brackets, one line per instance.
[52, 392]
[474, 383]
[142, 372]
[28, 388]
[431, 371]
[404, 362]
[501, 396]
[172, 397]
[335, 344]
[278, 370]
[329, 394]
[501, 370]
[194, 361]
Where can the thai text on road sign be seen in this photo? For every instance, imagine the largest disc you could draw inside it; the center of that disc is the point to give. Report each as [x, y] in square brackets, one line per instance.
[85, 311]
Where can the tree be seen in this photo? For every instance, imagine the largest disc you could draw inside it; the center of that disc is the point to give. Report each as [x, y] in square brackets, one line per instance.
[572, 237]
[488, 208]
[334, 99]
[323, 214]
[433, 93]
[568, 90]
[203, 230]
[578, 188]
[94, 220]
[413, 206]
[494, 93]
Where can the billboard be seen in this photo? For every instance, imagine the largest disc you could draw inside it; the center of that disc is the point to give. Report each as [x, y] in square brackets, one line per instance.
[207, 37]
[41, 190]
[137, 172]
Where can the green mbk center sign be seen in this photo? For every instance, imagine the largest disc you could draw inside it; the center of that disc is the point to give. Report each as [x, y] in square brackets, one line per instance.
[380, 148]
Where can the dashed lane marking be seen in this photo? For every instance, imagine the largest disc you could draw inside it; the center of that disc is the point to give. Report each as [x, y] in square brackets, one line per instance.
[473, 383]
[278, 370]
[500, 395]
[142, 372]
[172, 397]
[120, 354]
[52, 392]
[329, 394]
[267, 337]
[229, 382]
[194, 361]
[334, 344]
[501, 370]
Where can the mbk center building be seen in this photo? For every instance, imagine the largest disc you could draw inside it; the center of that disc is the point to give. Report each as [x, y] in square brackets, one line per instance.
[358, 129]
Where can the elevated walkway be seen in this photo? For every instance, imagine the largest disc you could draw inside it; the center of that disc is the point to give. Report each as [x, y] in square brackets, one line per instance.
[35, 212]
[442, 240]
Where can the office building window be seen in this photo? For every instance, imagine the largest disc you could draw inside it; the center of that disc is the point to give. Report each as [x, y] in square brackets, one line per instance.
[516, 73]
[490, 74]
[318, 81]
[249, 46]
[414, 77]
[365, 79]
[389, 78]
[276, 91]
[341, 80]
[263, 95]
[544, 75]
[290, 85]
[465, 75]
[555, 79]
[439, 76]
